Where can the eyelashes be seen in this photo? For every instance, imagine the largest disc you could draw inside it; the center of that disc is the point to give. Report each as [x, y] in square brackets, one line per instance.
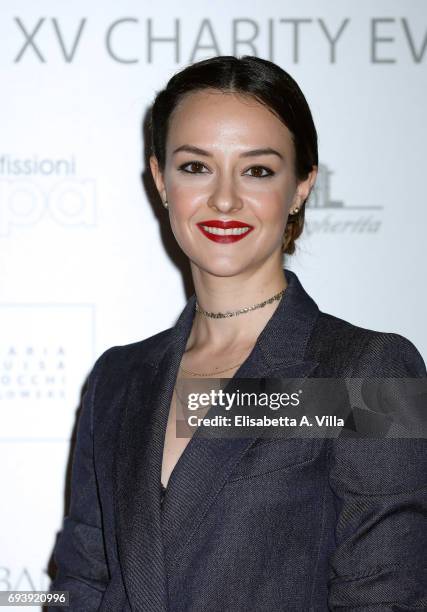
[269, 172]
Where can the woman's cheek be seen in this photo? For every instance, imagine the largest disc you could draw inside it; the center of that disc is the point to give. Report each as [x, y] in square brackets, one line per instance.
[271, 211]
[181, 230]
[175, 221]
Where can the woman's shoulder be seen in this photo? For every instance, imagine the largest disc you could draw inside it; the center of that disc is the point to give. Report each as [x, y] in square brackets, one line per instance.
[344, 348]
[357, 351]
[147, 351]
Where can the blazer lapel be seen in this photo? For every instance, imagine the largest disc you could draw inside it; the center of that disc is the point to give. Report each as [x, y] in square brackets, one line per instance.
[137, 467]
[151, 540]
[136, 495]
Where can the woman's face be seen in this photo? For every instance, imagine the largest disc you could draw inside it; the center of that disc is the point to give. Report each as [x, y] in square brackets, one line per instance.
[217, 169]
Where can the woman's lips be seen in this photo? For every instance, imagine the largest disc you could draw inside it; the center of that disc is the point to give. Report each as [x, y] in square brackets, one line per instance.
[224, 231]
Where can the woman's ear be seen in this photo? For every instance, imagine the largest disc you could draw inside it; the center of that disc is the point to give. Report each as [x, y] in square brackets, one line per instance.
[305, 186]
[157, 177]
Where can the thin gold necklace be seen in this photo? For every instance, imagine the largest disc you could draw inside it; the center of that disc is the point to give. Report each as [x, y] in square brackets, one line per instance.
[235, 313]
[209, 373]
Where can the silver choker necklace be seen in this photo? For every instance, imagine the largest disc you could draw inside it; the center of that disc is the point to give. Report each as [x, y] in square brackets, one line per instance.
[235, 313]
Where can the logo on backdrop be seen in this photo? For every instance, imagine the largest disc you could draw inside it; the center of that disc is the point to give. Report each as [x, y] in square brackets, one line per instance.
[45, 355]
[17, 578]
[329, 216]
[33, 372]
[32, 189]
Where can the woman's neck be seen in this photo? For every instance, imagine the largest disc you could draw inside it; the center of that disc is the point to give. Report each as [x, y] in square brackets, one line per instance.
[221, 294]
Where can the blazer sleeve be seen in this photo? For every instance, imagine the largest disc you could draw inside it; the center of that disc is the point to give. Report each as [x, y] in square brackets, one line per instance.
[79, 551]
[380, 495]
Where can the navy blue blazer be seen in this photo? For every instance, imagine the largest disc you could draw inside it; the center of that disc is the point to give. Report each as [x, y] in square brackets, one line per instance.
[265, 525]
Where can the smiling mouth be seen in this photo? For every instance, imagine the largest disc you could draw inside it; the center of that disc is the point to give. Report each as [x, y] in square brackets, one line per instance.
[234, 231]
[224, 231]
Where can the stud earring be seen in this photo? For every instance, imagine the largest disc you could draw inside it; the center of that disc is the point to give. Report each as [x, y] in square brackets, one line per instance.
[294, 211]
[165, 204]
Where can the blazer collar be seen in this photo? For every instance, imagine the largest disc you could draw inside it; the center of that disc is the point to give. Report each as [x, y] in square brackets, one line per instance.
[283, 340]
[151, 540]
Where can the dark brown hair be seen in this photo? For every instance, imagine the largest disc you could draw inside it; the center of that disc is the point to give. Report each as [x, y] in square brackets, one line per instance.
[268, 84]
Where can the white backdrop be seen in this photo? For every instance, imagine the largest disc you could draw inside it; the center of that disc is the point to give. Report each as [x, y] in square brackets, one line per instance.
[83, 265]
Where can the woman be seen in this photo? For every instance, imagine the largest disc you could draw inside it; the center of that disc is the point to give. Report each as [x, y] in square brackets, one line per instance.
[246, 524]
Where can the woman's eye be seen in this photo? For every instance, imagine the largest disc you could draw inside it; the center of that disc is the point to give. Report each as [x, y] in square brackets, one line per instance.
[192, 163]
[260, 169]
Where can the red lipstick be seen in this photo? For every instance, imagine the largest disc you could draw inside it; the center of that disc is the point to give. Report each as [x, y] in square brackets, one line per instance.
[224, 231]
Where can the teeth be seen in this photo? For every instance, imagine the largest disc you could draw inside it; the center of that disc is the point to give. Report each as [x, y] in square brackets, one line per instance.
[234, 231]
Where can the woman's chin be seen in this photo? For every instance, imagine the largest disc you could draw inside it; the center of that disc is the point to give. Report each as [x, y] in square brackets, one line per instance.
[221, 266]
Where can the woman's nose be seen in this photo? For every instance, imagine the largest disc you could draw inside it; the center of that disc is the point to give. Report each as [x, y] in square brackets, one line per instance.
[225, 199]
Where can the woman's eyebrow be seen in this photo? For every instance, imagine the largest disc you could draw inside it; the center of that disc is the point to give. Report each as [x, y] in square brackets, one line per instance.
[251, 153]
